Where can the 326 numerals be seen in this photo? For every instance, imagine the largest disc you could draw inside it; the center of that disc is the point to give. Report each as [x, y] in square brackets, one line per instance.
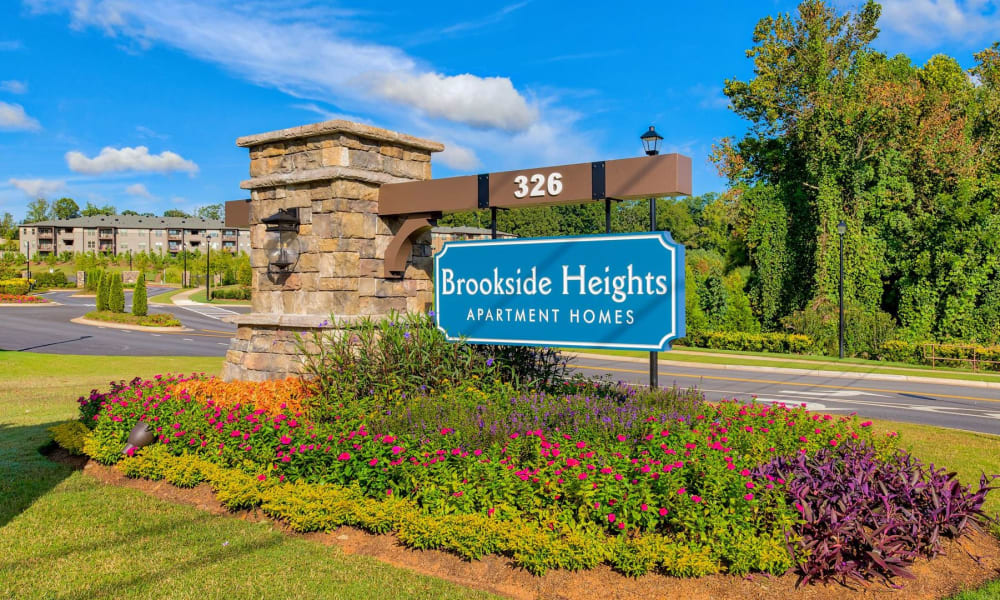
[539, 185]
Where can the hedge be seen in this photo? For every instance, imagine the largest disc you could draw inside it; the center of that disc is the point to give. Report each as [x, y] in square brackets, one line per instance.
[783, 343]
[17, 287]
[232, 293]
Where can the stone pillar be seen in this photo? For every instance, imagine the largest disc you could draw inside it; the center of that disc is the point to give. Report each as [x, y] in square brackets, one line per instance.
[331, 172]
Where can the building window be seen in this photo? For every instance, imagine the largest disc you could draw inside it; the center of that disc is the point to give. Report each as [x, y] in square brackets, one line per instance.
[142, 245]
[90, 245]
[123, 246]
[159, 233]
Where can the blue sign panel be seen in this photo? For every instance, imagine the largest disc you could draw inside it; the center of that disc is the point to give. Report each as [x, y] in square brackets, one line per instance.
[598, 291]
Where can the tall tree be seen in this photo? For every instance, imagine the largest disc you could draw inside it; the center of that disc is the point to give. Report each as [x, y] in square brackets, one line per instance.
[840, 131]
[210, 211]
[8, 228]
[65, 208]
[38, 210]
[176, 212]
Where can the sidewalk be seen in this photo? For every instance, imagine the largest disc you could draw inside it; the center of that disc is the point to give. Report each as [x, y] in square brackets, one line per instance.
[184, 298]
[839, 370]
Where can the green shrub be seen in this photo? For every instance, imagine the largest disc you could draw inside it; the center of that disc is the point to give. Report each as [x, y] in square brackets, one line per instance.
[408, 353]
[70, 435]
[17, 286]
[244, 274]
[140, 306]
[865, 330]
[116, 294]
[55, 279]
[232, 293]
[782, 343]
[103, 291]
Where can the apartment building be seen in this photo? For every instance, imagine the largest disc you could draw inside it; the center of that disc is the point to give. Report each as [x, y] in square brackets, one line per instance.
[121, 234]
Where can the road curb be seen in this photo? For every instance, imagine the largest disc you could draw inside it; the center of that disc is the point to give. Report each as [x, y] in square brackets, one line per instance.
[32, 304]
[83, 321]
[787, 371]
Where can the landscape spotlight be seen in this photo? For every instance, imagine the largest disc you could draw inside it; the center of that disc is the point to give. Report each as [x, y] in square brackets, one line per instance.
[141, 435]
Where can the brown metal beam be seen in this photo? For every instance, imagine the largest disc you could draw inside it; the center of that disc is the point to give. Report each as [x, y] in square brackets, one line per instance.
[625, 179]
[398, 252]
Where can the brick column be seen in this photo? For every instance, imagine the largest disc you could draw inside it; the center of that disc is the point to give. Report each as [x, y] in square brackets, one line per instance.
[331, 172]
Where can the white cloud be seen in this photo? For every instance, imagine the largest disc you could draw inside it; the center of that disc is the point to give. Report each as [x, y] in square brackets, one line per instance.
[13, 117]
[327, 115]
[931, 23]
[128, 159]
[137, 189]
[458, 157]
[38, 188]
[303, 57]
[477, 101]
[13, 86]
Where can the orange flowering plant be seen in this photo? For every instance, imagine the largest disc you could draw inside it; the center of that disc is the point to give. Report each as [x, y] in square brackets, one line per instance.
[279, 396]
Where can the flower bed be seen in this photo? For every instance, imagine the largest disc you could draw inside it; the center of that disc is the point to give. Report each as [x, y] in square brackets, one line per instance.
[604, 474]
[153, 320]
[21, 299]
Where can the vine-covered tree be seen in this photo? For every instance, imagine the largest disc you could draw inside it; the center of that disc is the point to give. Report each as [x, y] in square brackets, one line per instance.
[905, 154]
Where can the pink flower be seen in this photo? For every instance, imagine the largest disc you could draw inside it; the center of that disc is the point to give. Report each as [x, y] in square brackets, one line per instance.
[745, 472]
[749, 485]
[388, 492]
[866, 424]
[261, 477]
[397, 449]
[681, 491]
[696, 499]
[344, 456]
[130, 452]
[748, 497]
[490, 512]
[581, 476]
[643, 507]
[611, 517]
[373, 462]
[286, 440]
[663, 512]
[621, 438]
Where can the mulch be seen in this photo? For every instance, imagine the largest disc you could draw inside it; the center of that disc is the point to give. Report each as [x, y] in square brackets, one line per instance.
[966, 563]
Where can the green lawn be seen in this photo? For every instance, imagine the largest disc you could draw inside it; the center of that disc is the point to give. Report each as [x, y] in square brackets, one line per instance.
[796, 361]
[165, 297]
[63, 534]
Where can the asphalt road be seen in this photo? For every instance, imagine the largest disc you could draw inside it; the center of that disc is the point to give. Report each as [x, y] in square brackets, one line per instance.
[943, 405]
[48, 329]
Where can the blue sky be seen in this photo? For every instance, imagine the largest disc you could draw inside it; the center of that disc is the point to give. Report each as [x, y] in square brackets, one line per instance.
[138, 103]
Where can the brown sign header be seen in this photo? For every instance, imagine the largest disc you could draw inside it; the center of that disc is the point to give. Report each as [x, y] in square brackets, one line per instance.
[624, 179]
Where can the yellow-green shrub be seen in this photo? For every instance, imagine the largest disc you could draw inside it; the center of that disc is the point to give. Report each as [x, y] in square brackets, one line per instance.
[70, 435]
[104, 446]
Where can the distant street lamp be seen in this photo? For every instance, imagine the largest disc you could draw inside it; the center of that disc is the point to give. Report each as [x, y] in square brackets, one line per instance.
[651, 144]
[841, 229]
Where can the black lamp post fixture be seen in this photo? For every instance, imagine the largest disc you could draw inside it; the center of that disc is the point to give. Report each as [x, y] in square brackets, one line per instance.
[282, 240]
[651, 141]
[841, 229]
[651, 144]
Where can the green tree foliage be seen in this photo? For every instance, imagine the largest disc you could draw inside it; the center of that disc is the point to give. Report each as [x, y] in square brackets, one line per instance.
[116, 294]
[38, 210]
[8, 228]
[65, 208]
[176, 212]
[210, 211]
[140, 306]
[905, 154]
[92, 210]
[103, 291]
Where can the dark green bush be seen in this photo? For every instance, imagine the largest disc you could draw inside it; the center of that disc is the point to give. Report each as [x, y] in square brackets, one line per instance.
[232, 293]
[864, 330]
[55, 279]
[103, 291]
[140, 306]
[116, 294]
[782, 343]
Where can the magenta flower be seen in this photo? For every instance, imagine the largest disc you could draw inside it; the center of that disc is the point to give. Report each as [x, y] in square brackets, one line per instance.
[696, 499]
[344, 456]
[611, 517]
[286, 440]
[663, 512]
[681, 491]
[397, 449]
[748, 497]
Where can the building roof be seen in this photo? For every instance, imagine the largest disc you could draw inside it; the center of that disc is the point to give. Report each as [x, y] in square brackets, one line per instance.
[135, 222]
[468, 231]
